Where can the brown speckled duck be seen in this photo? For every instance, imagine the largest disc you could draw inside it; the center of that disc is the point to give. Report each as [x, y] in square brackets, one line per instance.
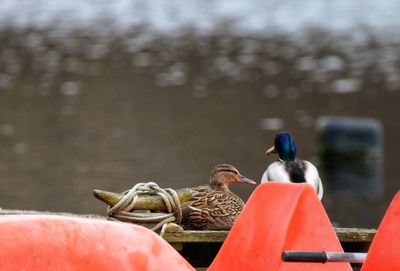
[214, 206]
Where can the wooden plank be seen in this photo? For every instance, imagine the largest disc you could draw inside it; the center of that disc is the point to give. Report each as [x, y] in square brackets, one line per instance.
[344, 235]
[196, 236]
[355, 234]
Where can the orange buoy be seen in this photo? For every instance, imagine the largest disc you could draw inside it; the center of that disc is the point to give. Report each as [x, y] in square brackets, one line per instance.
[384, 252]
[42, 242]
[279, 217]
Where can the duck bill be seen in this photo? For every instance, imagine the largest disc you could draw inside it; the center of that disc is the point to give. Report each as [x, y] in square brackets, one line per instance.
[246, 180]
[271, 150]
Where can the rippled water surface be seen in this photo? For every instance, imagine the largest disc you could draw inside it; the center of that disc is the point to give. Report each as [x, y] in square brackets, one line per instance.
[107, 95]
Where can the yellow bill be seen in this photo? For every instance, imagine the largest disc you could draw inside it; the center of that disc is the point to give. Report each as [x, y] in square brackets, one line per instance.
[271, 150]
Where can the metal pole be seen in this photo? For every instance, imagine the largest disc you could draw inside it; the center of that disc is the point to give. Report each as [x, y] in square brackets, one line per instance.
[323, 256]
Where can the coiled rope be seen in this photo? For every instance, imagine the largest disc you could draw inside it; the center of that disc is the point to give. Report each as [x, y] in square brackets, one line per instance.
[124, 209]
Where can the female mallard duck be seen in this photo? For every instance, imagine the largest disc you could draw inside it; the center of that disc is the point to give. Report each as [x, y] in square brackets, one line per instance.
[288, 168]
[214, 206]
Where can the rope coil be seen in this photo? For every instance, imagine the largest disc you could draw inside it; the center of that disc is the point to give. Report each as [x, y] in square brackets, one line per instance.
[124, 209]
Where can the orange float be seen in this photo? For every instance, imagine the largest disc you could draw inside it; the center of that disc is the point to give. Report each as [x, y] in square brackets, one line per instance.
[40, 242]
[279, 217]
[384, 252]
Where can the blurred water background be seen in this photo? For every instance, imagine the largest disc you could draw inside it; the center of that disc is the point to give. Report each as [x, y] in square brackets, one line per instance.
[100, 94]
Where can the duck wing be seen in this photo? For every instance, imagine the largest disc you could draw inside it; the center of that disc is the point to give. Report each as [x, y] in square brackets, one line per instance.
[312, 177]
[276, 172]
[211, 209]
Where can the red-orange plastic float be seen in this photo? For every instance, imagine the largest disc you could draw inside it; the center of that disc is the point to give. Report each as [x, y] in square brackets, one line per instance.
[279, 217]
[40, 242]
[384, 252]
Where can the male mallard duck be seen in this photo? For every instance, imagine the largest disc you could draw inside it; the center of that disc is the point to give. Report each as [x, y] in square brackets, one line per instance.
[214, 206]
[288, 168]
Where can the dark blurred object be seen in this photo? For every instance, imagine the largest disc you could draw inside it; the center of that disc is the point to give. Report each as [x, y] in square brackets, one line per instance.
[351, 155]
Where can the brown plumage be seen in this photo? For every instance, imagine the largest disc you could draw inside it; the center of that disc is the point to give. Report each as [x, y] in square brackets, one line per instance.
[214, 206]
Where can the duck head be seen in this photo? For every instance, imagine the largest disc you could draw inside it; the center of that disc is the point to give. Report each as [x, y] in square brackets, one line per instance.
[224, 175]
[285, 147]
